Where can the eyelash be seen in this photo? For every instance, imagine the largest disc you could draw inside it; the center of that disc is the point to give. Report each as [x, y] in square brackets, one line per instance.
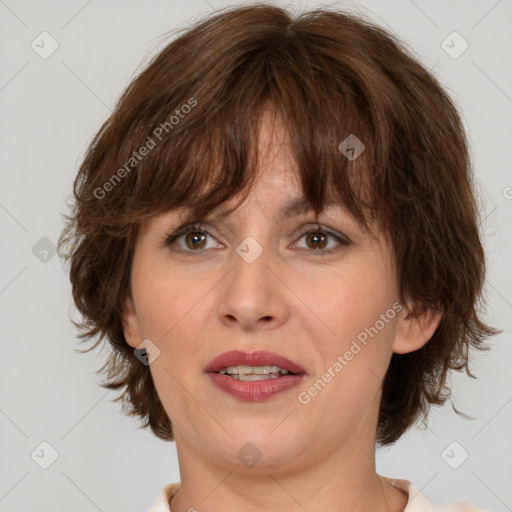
[200, 228]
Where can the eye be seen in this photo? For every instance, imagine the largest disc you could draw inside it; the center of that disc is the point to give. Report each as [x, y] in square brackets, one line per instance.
[193, 238]
[318, 239]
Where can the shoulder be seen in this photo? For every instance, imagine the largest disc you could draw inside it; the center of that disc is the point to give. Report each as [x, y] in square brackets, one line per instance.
[162, 502]
[418, 503]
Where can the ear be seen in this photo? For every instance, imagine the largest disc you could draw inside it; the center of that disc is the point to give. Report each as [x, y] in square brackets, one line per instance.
[413, 332]
[131, 327]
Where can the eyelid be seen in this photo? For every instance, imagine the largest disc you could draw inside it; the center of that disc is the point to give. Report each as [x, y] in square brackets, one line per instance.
[325, 229]
[341, 238]
[187, 228]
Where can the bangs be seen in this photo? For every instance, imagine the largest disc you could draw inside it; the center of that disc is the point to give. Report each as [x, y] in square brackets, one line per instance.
[211, 154]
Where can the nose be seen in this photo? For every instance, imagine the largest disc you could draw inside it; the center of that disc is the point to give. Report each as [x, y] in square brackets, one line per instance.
[252, 295]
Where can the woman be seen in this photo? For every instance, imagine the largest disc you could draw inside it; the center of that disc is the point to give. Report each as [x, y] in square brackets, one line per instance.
[277, 233]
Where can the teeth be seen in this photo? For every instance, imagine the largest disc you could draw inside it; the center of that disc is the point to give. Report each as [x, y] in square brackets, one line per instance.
[256, 377]
[243, 370]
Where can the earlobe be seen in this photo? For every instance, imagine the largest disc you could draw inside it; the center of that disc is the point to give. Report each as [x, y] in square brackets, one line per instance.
[413, 332]
[131, 327]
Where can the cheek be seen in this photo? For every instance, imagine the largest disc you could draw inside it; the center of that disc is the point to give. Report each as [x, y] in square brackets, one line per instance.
[168, 308]
[356, 347]
[171, 310]
[163, 298]
[348, 302]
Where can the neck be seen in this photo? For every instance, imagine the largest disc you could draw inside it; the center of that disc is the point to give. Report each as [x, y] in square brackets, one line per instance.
[339, 480]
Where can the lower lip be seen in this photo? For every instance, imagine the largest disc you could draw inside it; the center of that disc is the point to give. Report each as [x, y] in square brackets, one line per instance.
[255, 390]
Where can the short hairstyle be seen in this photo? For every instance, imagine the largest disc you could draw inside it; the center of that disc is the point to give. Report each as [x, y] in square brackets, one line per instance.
[183, 134]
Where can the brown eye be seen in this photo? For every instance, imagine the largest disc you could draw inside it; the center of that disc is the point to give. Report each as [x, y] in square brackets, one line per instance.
[316, 240]
[195, 240]
[190, 238]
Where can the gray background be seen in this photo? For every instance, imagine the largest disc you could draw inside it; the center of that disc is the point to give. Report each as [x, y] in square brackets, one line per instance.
[51, 108]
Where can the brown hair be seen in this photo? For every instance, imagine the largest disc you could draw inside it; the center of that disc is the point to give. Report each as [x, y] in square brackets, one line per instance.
[183, 134]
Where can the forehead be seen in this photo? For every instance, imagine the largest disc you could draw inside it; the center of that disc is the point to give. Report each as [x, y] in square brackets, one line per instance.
[276, 161]
[276, 181]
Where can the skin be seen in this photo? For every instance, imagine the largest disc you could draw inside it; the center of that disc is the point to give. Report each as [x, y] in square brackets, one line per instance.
[318, 456]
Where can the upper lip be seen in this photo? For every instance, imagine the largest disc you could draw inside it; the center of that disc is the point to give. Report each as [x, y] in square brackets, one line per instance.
[259, 358]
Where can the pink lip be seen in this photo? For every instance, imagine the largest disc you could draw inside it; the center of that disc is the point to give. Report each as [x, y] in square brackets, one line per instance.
[260, 358]
[255, 390]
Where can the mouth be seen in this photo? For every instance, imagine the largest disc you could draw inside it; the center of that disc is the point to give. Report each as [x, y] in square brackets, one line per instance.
[234, 373]
[246, 366]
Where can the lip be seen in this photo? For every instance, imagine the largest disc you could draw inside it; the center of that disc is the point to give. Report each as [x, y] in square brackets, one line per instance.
[255, 390]
[259, 358]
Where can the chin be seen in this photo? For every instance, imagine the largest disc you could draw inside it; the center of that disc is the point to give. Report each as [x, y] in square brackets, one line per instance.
[254, 449]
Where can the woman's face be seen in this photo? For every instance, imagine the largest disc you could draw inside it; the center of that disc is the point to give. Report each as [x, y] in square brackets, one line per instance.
[326, 300]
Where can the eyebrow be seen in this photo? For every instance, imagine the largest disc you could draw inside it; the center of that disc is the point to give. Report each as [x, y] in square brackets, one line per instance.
[300, 205]
[295, 206]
